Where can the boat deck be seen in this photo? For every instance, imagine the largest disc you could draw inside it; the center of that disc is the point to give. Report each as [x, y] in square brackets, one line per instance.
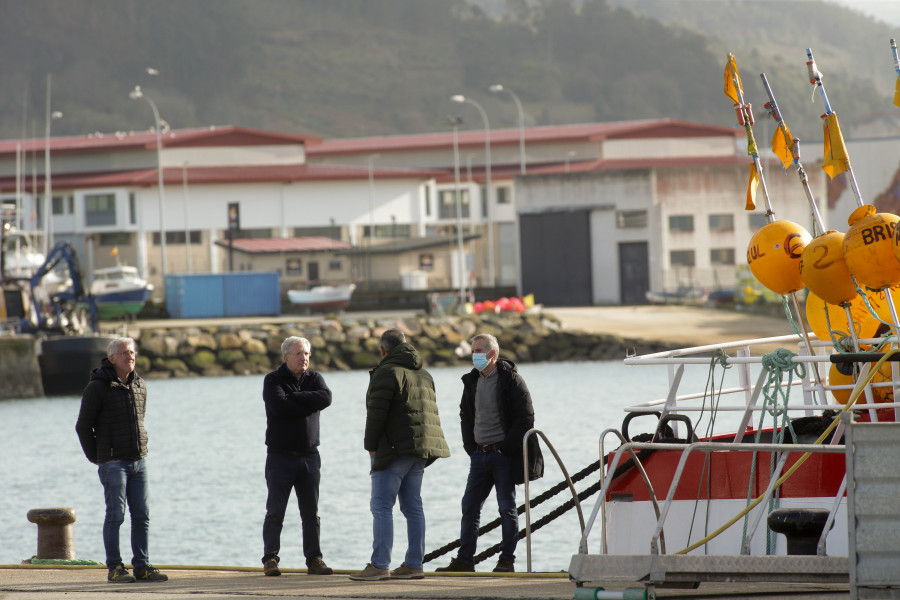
[219, 583]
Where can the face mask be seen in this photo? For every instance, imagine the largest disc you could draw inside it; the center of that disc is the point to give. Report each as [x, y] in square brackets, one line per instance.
[480, 361]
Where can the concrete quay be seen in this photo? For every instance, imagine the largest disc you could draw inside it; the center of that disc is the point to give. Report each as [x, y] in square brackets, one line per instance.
[29, 582]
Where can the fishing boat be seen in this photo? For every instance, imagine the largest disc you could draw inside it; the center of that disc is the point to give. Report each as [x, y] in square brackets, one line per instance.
[331, 297]
[119, 291]
[786, 474]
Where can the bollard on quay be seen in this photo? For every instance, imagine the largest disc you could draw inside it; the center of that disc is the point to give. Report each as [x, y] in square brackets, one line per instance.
[56, 535]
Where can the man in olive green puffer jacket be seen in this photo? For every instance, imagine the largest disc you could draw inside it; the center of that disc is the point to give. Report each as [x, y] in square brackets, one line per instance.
[403, 435]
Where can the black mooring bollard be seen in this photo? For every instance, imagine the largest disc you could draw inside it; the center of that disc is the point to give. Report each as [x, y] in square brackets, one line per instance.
[56, 535]
[801, 526]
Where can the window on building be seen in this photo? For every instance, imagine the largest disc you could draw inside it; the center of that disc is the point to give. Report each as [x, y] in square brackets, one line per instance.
[447, 206]
[681, 223]
[115, 239]
[631, 219]
[335, 265]
[132, 209]
[251, 234]
[756, 221]
[60, 206]
[721, 222]
[293, 266]
[721, 256]
[100, 209]
[681, 258]
[177, 237]
[334, 232]
[503, 194]
[389, 231]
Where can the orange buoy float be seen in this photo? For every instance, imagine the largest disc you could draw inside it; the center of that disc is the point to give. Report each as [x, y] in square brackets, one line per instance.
[820, 313]
[774, 255]
[824, 271]
[835, 377]
[869, 247]
[883, 394]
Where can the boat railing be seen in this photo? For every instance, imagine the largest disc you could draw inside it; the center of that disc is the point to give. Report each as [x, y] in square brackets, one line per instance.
[814, 386]
[571, 485]
[657, 542]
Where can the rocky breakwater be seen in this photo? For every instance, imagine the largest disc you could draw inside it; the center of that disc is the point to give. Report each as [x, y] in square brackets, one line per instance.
[352, 343]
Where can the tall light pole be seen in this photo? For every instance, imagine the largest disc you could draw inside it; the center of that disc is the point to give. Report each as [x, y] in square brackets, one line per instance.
[187, 230]
[455, 121]
[371, 160]
[496, 89]
[489, 192]
[48, 181]
[136, 94]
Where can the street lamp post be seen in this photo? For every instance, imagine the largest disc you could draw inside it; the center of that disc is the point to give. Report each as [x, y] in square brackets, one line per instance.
[187, 230]
[489, 192]
[48, 181]
[135, 94]
[371, 160]
[496, 89]
[455, 121]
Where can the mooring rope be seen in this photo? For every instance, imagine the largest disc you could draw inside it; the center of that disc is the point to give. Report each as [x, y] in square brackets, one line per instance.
[562, 485]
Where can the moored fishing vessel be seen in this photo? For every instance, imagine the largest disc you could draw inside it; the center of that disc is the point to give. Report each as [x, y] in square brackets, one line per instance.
[119, 291]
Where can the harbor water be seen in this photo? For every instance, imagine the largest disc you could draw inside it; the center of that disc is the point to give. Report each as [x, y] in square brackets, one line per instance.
[207, 451]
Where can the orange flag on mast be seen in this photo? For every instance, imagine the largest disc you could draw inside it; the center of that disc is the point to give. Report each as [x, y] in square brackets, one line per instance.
[897, 92]
[836, 158]
[731, 74]
[751, 188]
[783, 145]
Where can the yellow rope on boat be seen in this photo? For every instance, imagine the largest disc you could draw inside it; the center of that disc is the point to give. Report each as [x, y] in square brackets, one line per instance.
[860, 386]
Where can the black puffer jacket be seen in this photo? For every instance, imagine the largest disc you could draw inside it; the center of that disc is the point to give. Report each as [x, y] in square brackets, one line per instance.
[516, 413]
[111, 420]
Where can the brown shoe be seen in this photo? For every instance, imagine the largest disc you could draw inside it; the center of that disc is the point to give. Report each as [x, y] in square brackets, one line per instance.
[270, 567]
[505, 565]
[404, 572]
[371, 573]
[317, 566]
[456, 566]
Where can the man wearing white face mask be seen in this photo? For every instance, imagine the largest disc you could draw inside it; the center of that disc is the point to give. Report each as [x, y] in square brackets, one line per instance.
[495, 413]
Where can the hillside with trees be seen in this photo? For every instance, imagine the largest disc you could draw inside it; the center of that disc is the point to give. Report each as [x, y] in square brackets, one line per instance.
[341, 68]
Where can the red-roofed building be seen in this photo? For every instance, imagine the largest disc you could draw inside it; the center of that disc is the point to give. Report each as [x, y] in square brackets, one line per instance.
[603, 213]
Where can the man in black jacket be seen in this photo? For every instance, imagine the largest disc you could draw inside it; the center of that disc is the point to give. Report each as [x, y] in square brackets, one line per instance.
[294, 396]
[495, 414]
[110, 428]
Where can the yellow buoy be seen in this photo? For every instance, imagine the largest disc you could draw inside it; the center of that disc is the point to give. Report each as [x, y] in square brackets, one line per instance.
[869, 248]
[835, 377]
[774, 255]
[823, 270]
[883, 394]
[864, 323]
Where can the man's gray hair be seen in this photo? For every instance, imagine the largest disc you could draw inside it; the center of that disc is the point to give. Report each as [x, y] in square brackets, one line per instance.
[392, 338]
[491, 340]
[113, 347]
[288, 343]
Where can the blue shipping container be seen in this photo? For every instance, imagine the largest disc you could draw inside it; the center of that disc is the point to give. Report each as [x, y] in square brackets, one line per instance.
[212, 295]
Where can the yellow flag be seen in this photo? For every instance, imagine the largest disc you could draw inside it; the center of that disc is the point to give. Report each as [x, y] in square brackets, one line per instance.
[897, 92]
[783, 145]
[731, 74]
[528, 300]
[836, 158]
[114, 251]
[751, 188]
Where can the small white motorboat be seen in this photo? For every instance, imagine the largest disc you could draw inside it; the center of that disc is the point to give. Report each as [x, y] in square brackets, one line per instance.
[119, 291]
[323, 296]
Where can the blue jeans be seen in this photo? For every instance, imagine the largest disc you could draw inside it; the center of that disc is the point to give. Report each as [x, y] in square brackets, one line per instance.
[125, 480]
[402, 478]
[488, 470]
[284, 473]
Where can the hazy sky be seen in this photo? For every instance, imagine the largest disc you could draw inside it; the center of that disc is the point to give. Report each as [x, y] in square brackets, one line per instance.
[883, 10]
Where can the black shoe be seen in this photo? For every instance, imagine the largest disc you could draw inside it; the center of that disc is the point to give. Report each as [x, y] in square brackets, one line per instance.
[317, 566]
[270, 567]
[456, 566]
[505, 565]
[149, 573]
[120, 574]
